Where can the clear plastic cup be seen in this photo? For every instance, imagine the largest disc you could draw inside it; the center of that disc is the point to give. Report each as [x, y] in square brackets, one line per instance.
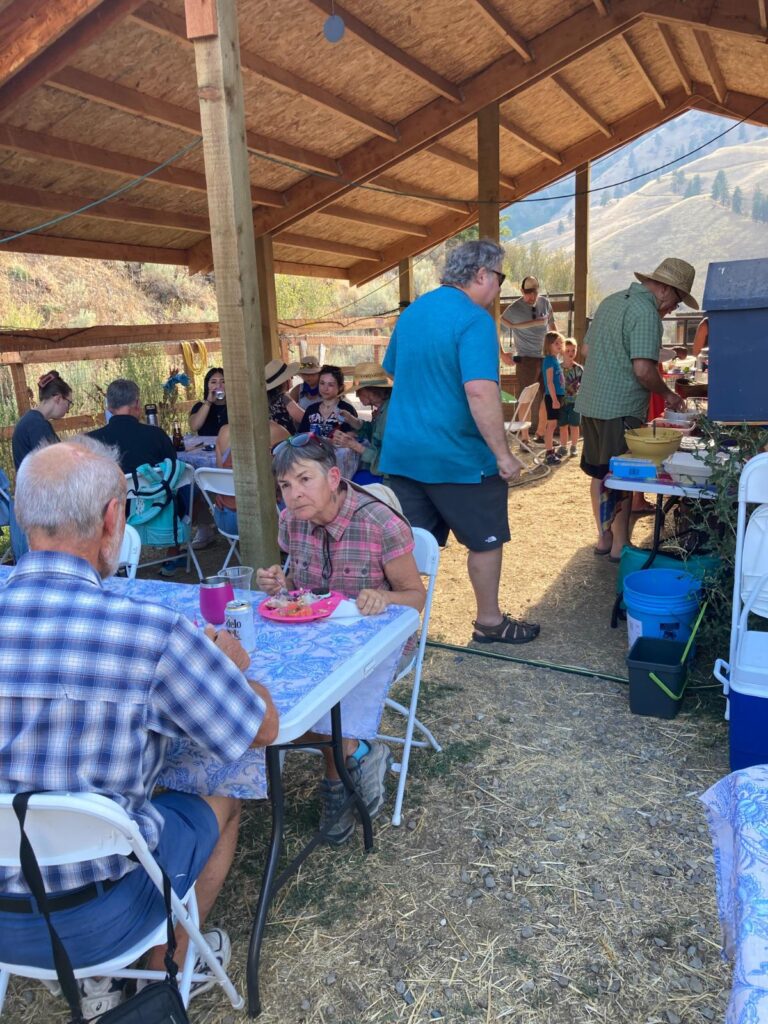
[238, 575]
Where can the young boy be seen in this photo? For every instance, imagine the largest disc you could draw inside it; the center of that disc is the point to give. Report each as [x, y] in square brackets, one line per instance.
[569, 420]
[554, 390]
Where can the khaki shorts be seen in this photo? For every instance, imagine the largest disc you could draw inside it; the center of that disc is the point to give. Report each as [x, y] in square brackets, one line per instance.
[602, 440]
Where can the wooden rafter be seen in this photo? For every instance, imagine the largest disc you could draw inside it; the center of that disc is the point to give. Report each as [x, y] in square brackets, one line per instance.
[49, 245]
[528, 140]
[121, 97]
[602, 7]
[738, 105]
[374, 220]
[762, 13]
[582, 104]
[470, 164]
[544, 174]
[116, 209]
[708, 56]
[739, 17]
[674, 55]
[500, 23]
[167, 23]
[309, 270]
[418, 194]
[403, 60]
[643, 71]
[60, 52]
[325, 245]
[28, 27]
[82, 155]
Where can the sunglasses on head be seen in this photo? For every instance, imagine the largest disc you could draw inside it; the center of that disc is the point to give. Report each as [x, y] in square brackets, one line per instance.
[300, 441]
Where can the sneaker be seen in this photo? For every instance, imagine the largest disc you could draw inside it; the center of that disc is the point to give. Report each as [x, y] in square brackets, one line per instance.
[204, 537]
[97, 995]
[573, 449]
[373, 771]
[221, 948]
[538, 439]
[562, 451]
[173, 566]
[552, 459]
[332, 796]
[537, 442]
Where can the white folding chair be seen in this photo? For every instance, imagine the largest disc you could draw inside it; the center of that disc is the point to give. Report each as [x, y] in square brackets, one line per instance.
[213, 482]
[533, 462]
[69, 828]
[130, 552]
[427, 556]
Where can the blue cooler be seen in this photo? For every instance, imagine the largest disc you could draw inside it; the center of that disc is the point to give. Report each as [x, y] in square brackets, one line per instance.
[748, 703]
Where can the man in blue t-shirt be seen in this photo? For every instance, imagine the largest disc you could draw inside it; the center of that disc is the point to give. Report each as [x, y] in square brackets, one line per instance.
[445, 448]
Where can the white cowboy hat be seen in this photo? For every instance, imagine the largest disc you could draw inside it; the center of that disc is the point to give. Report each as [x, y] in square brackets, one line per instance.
[677, 274]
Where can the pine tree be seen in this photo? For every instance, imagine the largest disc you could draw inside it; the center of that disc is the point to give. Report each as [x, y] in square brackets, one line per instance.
[720, 187]
[678, 182]
[757, 200]
[697, 184]
[560, 227]
[737, 200]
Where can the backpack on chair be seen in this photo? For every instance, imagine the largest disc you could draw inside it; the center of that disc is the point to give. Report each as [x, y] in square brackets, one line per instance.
[156, 510]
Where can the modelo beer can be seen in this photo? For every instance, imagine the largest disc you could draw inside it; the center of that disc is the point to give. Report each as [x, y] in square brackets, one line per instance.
[239, 622]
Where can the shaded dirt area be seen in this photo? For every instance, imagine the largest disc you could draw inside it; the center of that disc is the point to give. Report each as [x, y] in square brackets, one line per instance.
[554, 863]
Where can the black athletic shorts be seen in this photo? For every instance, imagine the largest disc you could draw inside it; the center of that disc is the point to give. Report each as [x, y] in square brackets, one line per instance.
[477, 513]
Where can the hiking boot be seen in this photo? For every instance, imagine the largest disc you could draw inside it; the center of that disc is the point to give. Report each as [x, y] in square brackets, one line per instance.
[97, 995]
[333, 795]
[552, 459]
[373, 770]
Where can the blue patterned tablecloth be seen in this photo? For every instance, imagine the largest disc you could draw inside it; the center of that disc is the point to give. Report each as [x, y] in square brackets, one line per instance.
[307, 668]
[737, 807]
[198, 458]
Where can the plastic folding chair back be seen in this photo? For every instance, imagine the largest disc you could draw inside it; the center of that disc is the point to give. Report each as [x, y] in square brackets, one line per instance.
[130, 551]
[522, 420]
[219, 481]
[534, 466]
[427, 556]
[68, 828]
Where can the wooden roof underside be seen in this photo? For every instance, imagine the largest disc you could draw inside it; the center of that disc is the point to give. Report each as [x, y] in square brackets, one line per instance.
[362, 152]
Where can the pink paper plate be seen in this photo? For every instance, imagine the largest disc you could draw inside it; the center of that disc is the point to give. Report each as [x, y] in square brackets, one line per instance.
[318, 610]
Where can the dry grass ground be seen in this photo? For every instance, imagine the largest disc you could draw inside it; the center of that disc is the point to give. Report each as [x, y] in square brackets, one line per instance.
[554, 863]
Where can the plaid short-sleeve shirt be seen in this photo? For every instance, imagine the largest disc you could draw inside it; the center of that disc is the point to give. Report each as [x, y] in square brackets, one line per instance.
[94, 685]
[349, 554]
[626, 326]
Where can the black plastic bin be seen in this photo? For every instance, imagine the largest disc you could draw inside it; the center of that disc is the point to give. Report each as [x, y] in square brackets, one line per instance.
[660, 697]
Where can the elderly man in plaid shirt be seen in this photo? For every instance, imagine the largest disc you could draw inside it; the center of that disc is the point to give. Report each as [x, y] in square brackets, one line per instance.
[93, 688]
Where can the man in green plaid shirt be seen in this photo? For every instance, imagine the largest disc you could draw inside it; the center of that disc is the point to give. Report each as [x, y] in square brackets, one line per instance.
[622, 355]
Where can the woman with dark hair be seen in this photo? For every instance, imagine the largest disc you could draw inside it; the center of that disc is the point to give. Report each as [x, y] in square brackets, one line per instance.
[206, 418]
[340, 537]
[282, 408]
[54, 397]
[324, 417]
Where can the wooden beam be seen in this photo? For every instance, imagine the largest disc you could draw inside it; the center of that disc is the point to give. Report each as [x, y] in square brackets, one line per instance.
[674, 55]
[59, 53]
[581, 252]
[116, 209]
[488, 182]
[738, 105]
[326, 245]
[121, 97]
[740, 18]
[265, 270]
[762, 12]
[500, 23]
[708, 56]
[403, 60]
[20, 389]
[220, 92]
[528, 140]
[640, 67]
[28, 27]
[102, 353]
[582, 104]
[451, 156]
[405, 282]
[81, 155]
[50, 245]
[407, 191]
[602, 7]
[167, 23]
[46, 338]
[375, 220]
[310, 270]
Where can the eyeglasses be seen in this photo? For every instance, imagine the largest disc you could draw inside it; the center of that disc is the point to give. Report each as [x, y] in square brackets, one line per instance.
[300, 441]
[501, 277]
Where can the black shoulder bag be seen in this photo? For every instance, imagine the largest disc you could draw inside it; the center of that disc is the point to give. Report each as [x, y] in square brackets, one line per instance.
[157, 1003]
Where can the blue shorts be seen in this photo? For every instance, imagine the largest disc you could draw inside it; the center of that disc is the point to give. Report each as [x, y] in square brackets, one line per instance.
[115, 921]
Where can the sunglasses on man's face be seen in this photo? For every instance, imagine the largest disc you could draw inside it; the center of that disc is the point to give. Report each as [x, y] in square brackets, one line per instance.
[529, 291]
[499, 276]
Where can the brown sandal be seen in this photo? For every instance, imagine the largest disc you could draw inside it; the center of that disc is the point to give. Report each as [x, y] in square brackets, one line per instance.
[508, 631]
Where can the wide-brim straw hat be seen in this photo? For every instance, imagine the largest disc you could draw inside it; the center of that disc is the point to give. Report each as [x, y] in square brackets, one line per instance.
[276, 371]
[308, 366]
[370, 375]
[677, 274]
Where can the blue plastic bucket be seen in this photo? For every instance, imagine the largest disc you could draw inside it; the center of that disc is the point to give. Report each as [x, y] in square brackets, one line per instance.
[661, 603]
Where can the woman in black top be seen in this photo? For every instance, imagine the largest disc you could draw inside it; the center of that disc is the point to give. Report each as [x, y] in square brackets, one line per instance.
[327, 415]
[54, 399]
[282, 409]
[206, 418]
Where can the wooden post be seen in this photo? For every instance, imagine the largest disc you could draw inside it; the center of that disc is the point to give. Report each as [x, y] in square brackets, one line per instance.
[488, 179]
[407, 293]
[581, 254]
[212, 26]
[265, 272]
[19, 378]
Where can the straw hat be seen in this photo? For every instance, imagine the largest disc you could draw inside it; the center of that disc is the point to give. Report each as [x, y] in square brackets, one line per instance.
[276, 371]
[308, 367]
[370, 375]
[677, 274]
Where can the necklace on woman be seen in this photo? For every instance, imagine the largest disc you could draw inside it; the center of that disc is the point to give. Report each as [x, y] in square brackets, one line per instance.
[327, 407]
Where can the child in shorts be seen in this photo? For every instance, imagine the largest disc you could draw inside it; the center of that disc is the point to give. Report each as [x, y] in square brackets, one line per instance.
[569, 420]
[554, 390]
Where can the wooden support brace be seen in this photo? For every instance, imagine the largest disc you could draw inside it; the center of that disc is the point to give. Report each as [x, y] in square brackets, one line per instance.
[19, 378]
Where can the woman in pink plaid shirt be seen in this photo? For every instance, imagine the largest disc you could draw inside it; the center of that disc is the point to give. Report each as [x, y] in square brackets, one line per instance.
[341, 538]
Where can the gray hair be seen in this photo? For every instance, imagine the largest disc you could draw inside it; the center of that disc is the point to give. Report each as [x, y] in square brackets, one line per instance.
[463, 262]
[286, 454]
[64, 489]
[122, 392]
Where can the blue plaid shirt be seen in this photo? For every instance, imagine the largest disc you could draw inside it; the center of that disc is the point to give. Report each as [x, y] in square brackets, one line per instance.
[94, 686]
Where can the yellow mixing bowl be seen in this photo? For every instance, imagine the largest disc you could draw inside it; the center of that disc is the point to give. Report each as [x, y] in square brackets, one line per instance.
[641, 442]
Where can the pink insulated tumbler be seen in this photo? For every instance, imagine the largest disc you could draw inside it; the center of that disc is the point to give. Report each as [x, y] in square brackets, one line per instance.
[215, 593]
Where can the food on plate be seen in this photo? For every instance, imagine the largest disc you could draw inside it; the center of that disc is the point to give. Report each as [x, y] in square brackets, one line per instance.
[295, 604]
